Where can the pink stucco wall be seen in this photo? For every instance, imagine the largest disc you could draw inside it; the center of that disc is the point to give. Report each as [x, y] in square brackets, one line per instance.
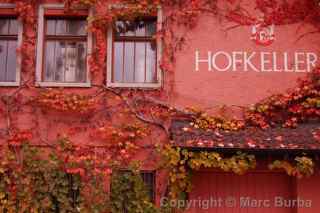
[209, 89]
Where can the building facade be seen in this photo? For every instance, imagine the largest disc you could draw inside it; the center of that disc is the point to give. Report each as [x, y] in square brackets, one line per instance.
[204, 79]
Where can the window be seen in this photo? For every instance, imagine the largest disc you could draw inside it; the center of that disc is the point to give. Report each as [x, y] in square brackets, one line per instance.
[134, 53]
[10, 39]
[150, 182]
[122, 183]
[63, 46]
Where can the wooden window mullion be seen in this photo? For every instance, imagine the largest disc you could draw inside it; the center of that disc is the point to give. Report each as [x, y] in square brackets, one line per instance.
[134, 38]
[9, 37]
[67, 38]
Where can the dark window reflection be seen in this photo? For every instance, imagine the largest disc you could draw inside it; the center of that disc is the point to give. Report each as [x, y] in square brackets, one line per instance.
[141, 28]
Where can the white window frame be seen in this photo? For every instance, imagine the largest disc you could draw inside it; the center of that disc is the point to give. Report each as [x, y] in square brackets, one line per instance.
[158, 60]
[40, 49]
[18, 56]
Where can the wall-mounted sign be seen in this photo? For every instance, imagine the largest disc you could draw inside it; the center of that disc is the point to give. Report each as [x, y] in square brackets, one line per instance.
[256, 61]
[261, 34]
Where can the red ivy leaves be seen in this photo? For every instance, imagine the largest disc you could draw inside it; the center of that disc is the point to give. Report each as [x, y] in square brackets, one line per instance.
[301, 104]
[58, 100]
[20, 137]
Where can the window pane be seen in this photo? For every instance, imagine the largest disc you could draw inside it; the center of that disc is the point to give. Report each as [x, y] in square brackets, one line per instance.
[125, 28]
[75, 68]
[4, 26]
[140, 64]
[151, 63]
[76, 27]
[3, 60]
[118, 61]
[81, 75]
[11, 61]
[141, 29]
[65, 61]
[70, 64]
[13, 27]
[49, 61]
[128, 62]
[139, 54]
[149, 181]
[8, 61]
[59, 61]
[71, 27]
[51, 27]
[61, 27]
[151, 28]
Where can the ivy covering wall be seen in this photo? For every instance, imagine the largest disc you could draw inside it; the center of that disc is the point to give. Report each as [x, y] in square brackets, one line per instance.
[41, 174]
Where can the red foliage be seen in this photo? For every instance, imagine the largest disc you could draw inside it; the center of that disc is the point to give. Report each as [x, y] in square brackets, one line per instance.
[298, 105]
[20, 137]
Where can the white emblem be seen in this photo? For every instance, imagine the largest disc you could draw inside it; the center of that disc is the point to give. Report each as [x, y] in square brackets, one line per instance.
[262, 34]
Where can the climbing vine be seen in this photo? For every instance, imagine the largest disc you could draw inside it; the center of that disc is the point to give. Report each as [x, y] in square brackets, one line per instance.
[300, 105]
[182, 162]
[302, 166]
[128, 192]
[66, 176]
[59, 101]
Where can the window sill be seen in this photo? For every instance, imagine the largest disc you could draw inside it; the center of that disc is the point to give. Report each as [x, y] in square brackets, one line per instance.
[55, 84]
[9, 84]
[135, 85]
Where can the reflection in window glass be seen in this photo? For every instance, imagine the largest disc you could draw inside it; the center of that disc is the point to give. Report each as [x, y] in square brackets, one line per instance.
[59, 62]
[8, 48]
[65, 27]
[128, 61]
[51, 27]
[140, 62]
[151, 64]
[151, 28]
[3, 60]
[13, 29]
[11, 61]
[49, 62]
[134, 56]
[65, 61]
[66, 51]
[118, 61]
